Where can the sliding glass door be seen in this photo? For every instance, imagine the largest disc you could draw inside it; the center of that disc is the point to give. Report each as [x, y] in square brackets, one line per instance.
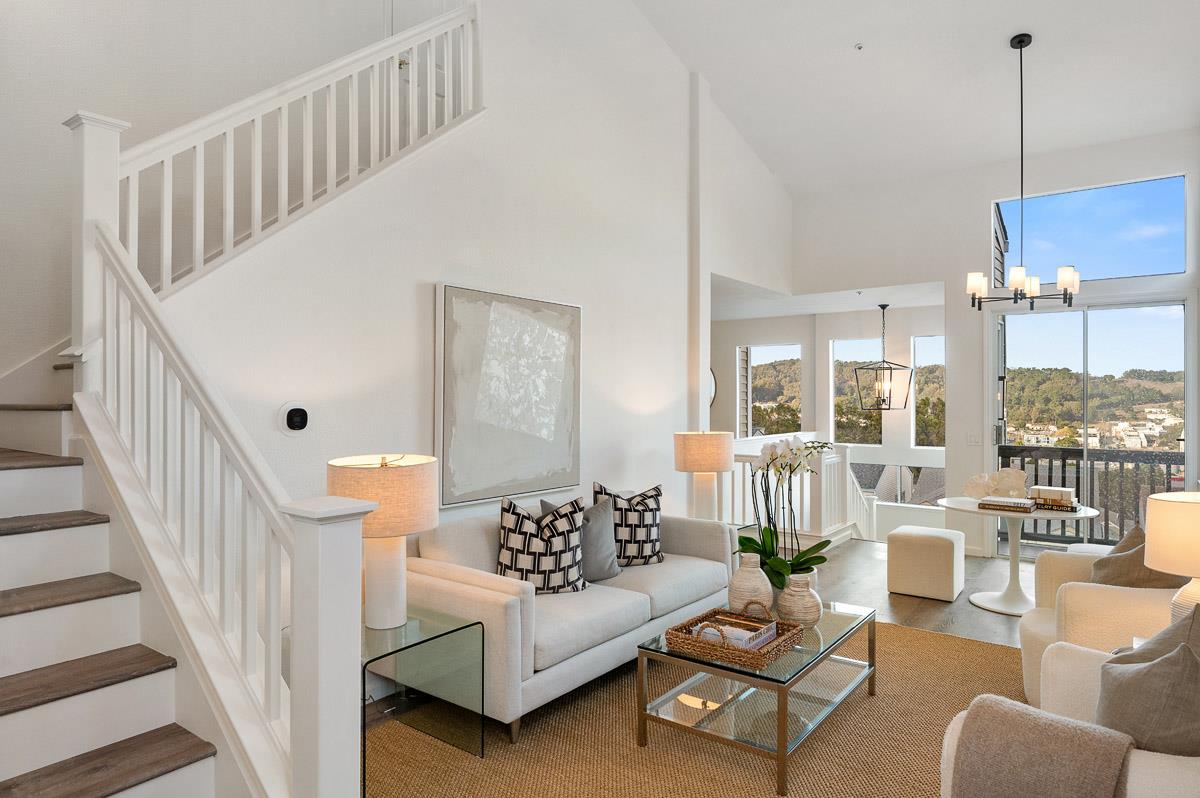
[1093, 400]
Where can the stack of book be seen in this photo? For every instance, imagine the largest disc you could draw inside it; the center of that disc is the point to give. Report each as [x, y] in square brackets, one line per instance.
[1048, 498]
[1008, 504]
[740, 631]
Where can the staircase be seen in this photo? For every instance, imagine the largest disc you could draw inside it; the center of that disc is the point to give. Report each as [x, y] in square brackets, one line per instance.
[85, 708]
[215, 543]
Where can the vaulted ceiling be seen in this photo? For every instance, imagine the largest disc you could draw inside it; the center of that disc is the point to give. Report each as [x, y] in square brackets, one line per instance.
[934, 86]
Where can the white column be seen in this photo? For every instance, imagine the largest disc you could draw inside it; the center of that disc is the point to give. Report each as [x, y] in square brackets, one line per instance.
[95, 199]
[326, 644]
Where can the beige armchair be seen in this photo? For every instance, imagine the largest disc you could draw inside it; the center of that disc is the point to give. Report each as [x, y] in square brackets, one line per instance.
[1070, 608]
[1071, 686]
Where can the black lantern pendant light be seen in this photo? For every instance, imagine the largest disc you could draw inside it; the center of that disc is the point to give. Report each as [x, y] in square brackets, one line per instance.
[883, 385]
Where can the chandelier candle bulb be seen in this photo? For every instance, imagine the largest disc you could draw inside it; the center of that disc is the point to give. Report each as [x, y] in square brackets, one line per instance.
[1033, 286]
[1016, 278]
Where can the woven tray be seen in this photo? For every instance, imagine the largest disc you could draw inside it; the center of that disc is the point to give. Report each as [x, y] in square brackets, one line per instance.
[681, 638]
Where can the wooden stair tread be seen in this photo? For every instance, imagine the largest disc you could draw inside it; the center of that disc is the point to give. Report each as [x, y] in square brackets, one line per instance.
[48, 406]
[21, 524]
[113, 768]
[32, 598]
[65, 679]
[13, 459]
[64, 366]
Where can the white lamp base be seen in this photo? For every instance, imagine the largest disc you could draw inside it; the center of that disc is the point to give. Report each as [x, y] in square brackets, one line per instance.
[704, 495]
[1183, 601]
[385, 599]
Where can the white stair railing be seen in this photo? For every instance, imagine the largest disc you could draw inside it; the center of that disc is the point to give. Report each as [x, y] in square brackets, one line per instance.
[861, 508]
[196, 196]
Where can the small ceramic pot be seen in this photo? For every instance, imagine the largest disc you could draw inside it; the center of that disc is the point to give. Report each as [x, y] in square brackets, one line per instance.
[798, 602]
[750, 584]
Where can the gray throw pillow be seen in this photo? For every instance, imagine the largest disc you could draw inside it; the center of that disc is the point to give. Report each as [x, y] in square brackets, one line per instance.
[1157, 703]
[599, 544]
[1125, 566]
[1185, 630]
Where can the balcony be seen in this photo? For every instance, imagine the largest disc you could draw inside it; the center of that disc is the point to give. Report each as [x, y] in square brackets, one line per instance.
[1117, 483]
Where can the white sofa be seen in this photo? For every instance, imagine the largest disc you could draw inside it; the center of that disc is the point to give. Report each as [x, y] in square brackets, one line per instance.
[1070, 608]
[538, 647]
[1070, 678]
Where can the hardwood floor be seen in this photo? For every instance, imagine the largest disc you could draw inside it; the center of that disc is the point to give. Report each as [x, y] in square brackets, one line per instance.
[857, 574]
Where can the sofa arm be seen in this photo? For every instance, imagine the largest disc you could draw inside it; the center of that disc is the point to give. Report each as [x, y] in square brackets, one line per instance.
[1071, 680]
[1105, 617]
[463, 575]
[500, 614]
[697, 537]
[1151, 775]
[1053, 569]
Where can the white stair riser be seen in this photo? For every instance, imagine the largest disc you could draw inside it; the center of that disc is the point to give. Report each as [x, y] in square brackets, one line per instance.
[44, 431]
[36, 639]
[43, 735]
[29, 491]
[53, 554]
[197, 780]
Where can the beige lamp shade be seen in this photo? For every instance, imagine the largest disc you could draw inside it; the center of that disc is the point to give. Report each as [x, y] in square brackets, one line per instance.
[405, 485]
[1173, 533]
[702, 452]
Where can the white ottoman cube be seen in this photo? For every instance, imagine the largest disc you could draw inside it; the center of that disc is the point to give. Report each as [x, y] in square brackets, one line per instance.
[925, 561]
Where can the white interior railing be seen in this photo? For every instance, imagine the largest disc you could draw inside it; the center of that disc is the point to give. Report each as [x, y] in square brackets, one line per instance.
[192, 198]
[214, 495]
[860, 508]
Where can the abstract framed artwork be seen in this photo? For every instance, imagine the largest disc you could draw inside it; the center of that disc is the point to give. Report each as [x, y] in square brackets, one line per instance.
[508, 395]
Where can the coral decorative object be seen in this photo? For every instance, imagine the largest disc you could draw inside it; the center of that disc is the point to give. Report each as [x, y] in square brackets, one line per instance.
[1009, 482]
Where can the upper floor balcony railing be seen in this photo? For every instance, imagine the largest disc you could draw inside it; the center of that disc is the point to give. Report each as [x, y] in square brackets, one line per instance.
[1114, 481]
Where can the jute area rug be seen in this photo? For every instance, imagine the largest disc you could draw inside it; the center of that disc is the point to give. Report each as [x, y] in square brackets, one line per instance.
[584, 743]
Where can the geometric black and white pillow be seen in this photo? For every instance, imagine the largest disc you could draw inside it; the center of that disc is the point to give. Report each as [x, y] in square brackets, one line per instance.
[636, 523]
[547, 551]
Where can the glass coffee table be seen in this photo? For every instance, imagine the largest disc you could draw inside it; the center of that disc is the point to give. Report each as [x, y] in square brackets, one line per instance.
[770, 711]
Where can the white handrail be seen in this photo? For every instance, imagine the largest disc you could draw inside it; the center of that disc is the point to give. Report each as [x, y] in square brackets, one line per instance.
[378, 103]
[861, 509]
[214, 495]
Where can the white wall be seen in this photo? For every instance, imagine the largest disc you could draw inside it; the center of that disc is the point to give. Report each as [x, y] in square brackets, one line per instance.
[940, 228]
[815, 333]
[154, 64]
[571, 187]
[747, 211]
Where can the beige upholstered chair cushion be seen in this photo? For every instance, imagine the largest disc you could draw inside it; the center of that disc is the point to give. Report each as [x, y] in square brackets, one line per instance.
[1125, 566]
[1157, 703]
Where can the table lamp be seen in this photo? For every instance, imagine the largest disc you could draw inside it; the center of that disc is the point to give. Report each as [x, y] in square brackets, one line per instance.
[405, 486]
[1173, 544]
[704, 455]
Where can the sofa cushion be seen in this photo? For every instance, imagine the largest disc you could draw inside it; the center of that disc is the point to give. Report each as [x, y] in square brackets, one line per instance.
[566, 624]
[599, 545]
[545, 551]
[473, 542]
[673, 583]
[636, 524]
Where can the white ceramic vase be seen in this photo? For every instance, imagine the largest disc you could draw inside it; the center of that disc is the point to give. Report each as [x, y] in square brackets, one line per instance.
[798, 602]
[750, 584]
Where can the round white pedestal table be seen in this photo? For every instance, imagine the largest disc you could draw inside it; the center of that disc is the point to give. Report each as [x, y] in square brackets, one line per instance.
[1012, 600]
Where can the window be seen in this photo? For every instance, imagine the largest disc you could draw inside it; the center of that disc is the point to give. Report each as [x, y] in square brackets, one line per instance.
[852, 424]
[769, 389]
[1127, 230]
[929, 409]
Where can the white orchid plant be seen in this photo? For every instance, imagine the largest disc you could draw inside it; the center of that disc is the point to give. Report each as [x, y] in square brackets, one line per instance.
[771, 476]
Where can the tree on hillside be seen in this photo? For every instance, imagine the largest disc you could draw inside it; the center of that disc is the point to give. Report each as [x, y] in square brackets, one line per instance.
[930, 420]
[776, 419]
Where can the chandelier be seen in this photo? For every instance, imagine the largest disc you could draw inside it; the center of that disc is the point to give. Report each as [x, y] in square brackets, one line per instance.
[1023, 287]
[883, 385]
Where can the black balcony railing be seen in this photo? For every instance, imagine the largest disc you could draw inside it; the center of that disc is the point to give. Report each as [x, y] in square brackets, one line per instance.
[1117, 483]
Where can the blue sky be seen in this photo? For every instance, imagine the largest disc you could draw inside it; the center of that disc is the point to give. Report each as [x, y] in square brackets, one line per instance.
[1118, 339]
[1113, 231]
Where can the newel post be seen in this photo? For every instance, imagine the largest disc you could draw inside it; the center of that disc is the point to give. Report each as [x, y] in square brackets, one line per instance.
[95, 198]
[326, 644]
